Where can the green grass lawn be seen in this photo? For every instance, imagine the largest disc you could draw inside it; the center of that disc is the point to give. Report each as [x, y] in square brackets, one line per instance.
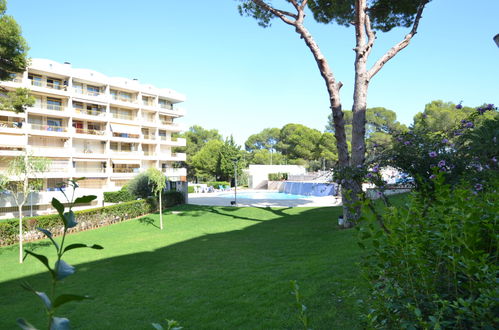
[211, 268]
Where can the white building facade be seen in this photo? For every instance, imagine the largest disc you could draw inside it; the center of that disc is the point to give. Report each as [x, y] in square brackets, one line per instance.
[104, 129]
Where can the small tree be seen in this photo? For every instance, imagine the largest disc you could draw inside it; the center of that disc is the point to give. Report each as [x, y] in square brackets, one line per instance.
[21, 181]
[158, 181]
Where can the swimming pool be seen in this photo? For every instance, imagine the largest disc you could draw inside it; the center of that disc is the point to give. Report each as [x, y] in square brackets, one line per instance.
[262, 195]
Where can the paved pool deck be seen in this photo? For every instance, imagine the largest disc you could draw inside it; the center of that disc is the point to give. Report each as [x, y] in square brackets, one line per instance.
[213, 199]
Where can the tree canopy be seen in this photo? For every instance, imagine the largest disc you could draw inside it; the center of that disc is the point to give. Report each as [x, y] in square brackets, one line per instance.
[13, 47]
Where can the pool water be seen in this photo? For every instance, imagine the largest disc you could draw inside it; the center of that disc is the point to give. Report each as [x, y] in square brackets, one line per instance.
[262, 195]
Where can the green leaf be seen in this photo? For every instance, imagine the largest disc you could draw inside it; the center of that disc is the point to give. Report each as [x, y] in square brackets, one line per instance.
[157, 326]
[25, 325]
[81, 245]
[43, 259]
[46, 300]
[63, 269]
[49, 235]
[59, 323]
[69, 219]
[85, 199]
[65, 298]
[58, 206]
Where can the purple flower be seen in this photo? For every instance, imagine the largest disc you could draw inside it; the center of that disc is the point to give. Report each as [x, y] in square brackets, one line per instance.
[432, 154]
[463, 121]
[459, 106]
[407, 143]
[380, 194]
[469, 125]
[369, 175]
[494, 159]
[441, 163]
[481, 110]
[490, 106]
[478, 187]
[445, 141]
[376, 169]
[432, 177]
[458, 132]
[425, 115]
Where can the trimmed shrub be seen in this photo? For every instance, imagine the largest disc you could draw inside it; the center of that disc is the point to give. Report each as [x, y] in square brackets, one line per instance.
[277, 176]
[87, 219]
[122, 195]
[190, 189]
[140, 187]
[215, 184]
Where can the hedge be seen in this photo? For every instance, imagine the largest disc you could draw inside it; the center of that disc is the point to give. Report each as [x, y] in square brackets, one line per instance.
[277, 176]
[190, 189]
[122, 195]
[87, 219]
[215, 184]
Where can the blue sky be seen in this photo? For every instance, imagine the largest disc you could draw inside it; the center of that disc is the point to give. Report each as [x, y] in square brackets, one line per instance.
[240, 78]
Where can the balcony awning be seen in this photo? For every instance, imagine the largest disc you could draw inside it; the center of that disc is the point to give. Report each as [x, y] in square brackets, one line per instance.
[117, 128]
[126, 161]
[13, 140]
[86, 101]
[89, 160]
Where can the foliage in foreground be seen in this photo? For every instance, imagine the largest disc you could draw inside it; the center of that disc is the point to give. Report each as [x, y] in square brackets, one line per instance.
[61, 269]
[436, 264]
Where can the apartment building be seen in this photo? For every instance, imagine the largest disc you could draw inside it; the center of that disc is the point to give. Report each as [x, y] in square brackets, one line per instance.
[105, 129]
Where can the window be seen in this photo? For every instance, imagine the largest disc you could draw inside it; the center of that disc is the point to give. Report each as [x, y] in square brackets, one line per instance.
[93, 90]
[78, 125]
[78, 105]
[54, 104]
[36, 80]
[164, 104]
[54, 83]
[124, 96]
[93, 126]
[78, 88]
[114, 94]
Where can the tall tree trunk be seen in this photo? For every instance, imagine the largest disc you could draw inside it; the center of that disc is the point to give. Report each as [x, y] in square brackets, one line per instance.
[20, 210]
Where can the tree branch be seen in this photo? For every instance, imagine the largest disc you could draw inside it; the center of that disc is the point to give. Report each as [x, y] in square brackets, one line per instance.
[401, 45]
[279, 13]
[371, 35]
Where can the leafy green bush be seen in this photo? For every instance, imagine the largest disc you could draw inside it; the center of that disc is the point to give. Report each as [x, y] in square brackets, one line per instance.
[140, 186]
[215, 184]
[190, 189]
[435, 265]
[123, 195]
[90, 218]
[278, 176]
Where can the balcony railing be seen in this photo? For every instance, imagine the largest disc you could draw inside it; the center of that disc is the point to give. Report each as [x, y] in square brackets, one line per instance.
[90, 170]
[86, 92]
[149, 153]
[149, 136]
[126, 135]
[42, 127]
[122, 99]
[10, 124]
[44, 83]
[126, 170]
[49, 106]
[89, 131]
[90, 112]
[166, 106]
[122, 116]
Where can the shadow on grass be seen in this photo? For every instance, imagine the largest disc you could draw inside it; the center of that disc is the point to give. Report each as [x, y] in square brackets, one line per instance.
[147, 221]
[230, 280]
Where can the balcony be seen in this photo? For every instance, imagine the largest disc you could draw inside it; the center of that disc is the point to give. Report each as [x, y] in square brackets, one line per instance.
[174, 172]
[87, 92]
[50, 128]
[50, 85]
[122, 116]
[10, 124]
[87, 112]
[44, 151]
[174, 142]
[126, 135]
[126, 170]
[149, 136]
[89, 131]
[46, 108]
